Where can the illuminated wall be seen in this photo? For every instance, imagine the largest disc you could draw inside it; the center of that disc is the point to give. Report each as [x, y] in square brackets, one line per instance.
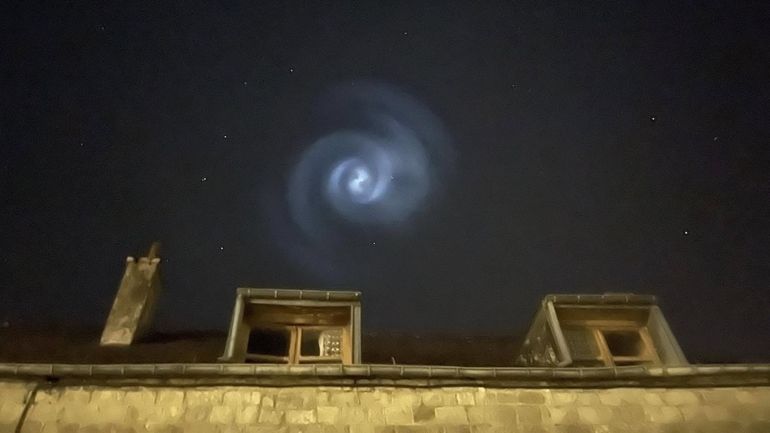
[165, 408]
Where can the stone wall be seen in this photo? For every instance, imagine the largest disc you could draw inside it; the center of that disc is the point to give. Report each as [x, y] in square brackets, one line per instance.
[101, 408]
[13, 398]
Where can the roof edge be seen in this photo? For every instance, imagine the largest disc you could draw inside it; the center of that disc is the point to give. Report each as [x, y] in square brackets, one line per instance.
[300, 294]
[403, 375]
[603, 299]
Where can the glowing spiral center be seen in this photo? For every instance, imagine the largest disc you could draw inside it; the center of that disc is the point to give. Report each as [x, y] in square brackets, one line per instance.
[361, 183]
[375, 168]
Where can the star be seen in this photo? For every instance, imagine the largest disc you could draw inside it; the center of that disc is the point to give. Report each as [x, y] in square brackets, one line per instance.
[291, 70]
[686, 232]
[652, 118]
[225, 136]
[406, 33]
[221, 248]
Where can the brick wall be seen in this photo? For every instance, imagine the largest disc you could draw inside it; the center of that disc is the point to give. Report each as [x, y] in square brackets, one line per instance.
[382, 409]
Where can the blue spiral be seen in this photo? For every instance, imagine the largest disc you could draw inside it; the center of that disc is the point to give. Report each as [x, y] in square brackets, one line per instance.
[377, 163]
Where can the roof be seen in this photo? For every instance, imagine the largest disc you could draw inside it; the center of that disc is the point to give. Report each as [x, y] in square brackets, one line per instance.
[62, 345]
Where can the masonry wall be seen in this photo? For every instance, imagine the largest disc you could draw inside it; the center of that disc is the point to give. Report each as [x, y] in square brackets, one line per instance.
[380, 409]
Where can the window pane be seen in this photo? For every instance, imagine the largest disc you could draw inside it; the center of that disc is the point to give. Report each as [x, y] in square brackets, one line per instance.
[331, 342]
[269, 342]
[624, 343]
[310, 342]
[321, 342]
[582, 343]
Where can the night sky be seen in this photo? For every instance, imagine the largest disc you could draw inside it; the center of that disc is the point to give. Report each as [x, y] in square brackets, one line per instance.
[535, 148]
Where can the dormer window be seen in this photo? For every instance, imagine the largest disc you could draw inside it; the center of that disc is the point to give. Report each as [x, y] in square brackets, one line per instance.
[295, 344]
[268, 344]
[610, 330]
[295, 327]
[600, 346]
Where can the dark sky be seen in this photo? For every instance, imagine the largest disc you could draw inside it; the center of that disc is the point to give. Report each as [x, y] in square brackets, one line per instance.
[620, 147]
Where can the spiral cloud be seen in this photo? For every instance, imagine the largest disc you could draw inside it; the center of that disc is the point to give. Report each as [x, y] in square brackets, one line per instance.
[376, 164]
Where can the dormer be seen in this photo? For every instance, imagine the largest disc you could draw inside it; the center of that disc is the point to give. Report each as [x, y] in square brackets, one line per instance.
[610, 330]
[295, 327]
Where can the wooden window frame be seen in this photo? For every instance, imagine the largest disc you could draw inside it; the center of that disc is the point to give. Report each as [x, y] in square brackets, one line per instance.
[605, 356]
[294, 355]
[648, 355]
[309, 359]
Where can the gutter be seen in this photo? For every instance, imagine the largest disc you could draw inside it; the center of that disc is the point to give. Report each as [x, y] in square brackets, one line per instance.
[391, 375]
